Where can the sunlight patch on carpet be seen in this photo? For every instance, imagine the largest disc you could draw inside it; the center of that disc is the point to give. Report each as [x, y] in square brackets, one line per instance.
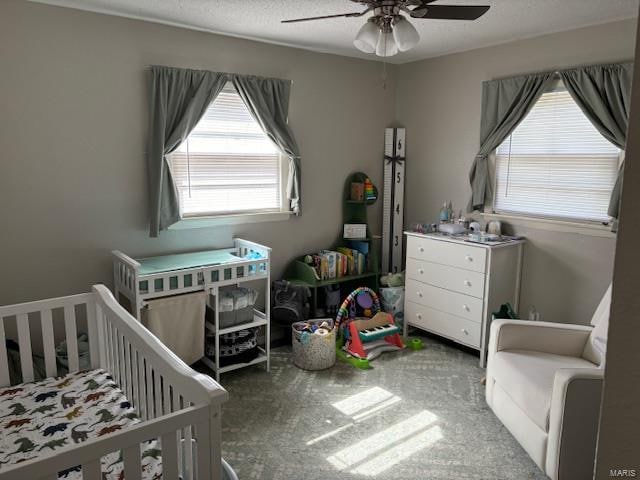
[381, 441]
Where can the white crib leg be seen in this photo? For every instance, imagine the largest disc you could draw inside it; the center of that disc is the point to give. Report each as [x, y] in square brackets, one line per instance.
[215, 429]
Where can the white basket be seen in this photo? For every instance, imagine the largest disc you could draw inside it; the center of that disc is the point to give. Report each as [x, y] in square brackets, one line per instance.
[313, 351]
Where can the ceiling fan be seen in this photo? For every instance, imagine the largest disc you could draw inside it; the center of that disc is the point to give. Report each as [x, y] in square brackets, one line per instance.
[387, 31]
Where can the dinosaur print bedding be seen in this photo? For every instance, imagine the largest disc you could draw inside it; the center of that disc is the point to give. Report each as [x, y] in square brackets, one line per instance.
[44, 417]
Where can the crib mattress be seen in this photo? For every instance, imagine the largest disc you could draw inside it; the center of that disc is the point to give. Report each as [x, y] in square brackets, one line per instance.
[44, 417]
[180, 261]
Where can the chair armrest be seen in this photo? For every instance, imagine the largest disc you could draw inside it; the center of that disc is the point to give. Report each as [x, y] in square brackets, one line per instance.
[573, 422]
[547, 337]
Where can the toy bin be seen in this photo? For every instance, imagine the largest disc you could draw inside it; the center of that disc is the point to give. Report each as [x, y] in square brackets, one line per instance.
[243, 300]
[236, 306]
[314, 346]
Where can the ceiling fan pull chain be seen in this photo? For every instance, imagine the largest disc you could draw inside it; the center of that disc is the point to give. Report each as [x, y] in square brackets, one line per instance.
[384, 73]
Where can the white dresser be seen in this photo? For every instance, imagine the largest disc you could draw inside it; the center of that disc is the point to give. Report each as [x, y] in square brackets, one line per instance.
[453, 286]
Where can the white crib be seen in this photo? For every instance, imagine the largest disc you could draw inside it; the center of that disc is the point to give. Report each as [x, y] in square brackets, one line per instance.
[177, 405]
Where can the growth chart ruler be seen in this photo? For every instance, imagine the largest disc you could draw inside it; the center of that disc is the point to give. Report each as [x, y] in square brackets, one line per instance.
[393, 205]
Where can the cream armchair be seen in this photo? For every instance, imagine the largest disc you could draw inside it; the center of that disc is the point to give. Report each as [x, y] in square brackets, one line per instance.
[544, 382]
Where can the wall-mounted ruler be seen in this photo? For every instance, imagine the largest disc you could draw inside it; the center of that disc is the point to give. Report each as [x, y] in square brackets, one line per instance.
[393, 204]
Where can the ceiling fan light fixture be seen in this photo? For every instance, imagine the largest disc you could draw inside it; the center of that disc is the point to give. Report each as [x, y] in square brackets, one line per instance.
[367, 38]
[386, 46]
[405, 35]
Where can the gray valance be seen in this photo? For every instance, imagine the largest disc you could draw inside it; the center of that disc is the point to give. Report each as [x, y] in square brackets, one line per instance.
[505, 103]
[603, 92]
[179, 99]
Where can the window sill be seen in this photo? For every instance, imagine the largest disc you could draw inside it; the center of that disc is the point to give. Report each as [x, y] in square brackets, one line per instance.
[216, 221]
[565, 226]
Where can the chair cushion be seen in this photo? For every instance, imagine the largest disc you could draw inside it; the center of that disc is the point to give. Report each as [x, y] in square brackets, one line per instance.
[527, 377]
[596, 346]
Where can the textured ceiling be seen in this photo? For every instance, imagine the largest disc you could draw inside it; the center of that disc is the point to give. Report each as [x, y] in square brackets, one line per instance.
[507, 20]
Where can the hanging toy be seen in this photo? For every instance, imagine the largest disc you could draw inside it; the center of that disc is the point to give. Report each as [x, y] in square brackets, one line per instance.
[365, 302]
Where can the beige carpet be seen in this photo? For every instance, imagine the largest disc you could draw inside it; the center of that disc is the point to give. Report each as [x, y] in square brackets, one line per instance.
[416, 415]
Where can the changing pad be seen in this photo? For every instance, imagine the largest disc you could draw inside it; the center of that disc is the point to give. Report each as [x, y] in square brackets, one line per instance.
[180, 261]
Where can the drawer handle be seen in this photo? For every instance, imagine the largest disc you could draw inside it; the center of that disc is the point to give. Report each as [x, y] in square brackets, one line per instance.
[420, 271]
[467, 283]
[465, 331]
[420, 294]
[465, 308]
[419, 315]
[421, 249]
[469, 258]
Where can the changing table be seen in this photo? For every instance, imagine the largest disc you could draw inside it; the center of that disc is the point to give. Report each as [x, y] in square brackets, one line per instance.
[139, 280]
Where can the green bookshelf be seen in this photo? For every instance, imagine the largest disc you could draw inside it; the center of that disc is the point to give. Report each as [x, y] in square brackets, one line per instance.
[353, 211]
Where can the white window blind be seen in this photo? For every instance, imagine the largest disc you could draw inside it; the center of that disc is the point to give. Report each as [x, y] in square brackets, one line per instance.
[227, 164]
[556, 164]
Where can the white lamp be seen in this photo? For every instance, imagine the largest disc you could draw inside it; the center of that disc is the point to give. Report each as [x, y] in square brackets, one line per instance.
[367, 37]
[386, 46]
[405, 34]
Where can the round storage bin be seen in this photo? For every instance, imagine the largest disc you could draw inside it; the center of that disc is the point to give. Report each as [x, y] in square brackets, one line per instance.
[314, 350]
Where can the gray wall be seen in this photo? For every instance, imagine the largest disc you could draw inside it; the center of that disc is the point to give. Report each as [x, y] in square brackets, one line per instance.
[73, 129]
[619, 438]
[438, 101]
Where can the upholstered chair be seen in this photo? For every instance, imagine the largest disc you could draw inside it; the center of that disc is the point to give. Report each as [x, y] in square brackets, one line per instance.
[544, 383]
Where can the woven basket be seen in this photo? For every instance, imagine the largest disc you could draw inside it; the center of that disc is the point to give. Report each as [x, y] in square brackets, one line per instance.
[312, 351]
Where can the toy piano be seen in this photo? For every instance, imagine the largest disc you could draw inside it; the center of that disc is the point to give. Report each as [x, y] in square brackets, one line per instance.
[365, 335]
[369, 337]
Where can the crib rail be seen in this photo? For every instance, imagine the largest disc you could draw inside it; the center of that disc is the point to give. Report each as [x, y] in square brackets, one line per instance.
[35, 321]
[159, 383]
[177, 405]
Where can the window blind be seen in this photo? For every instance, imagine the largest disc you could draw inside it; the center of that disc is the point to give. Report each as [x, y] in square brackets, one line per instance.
[227, 164]
[556, 164]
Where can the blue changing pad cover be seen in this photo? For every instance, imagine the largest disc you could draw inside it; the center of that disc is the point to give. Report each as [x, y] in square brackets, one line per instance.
[180, 261]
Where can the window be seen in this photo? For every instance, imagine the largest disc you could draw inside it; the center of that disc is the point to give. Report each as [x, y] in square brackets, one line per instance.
[556, 164]
[227, 165]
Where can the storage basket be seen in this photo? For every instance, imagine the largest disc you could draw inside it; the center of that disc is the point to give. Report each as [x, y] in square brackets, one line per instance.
[313, 351]
[236, 307]
[235, 347]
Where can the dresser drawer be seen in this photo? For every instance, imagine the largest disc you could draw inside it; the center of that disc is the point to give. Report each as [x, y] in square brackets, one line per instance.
[444, 276]
[444, 300]
[458, 255]
[456, 328]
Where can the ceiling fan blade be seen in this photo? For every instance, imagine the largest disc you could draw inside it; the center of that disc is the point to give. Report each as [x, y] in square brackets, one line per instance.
[449, 12]
[295, 20]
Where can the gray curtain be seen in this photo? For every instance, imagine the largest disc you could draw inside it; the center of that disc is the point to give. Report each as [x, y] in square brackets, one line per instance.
[268, 101]
[505, 103]
[603, 92]
[179, 99]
